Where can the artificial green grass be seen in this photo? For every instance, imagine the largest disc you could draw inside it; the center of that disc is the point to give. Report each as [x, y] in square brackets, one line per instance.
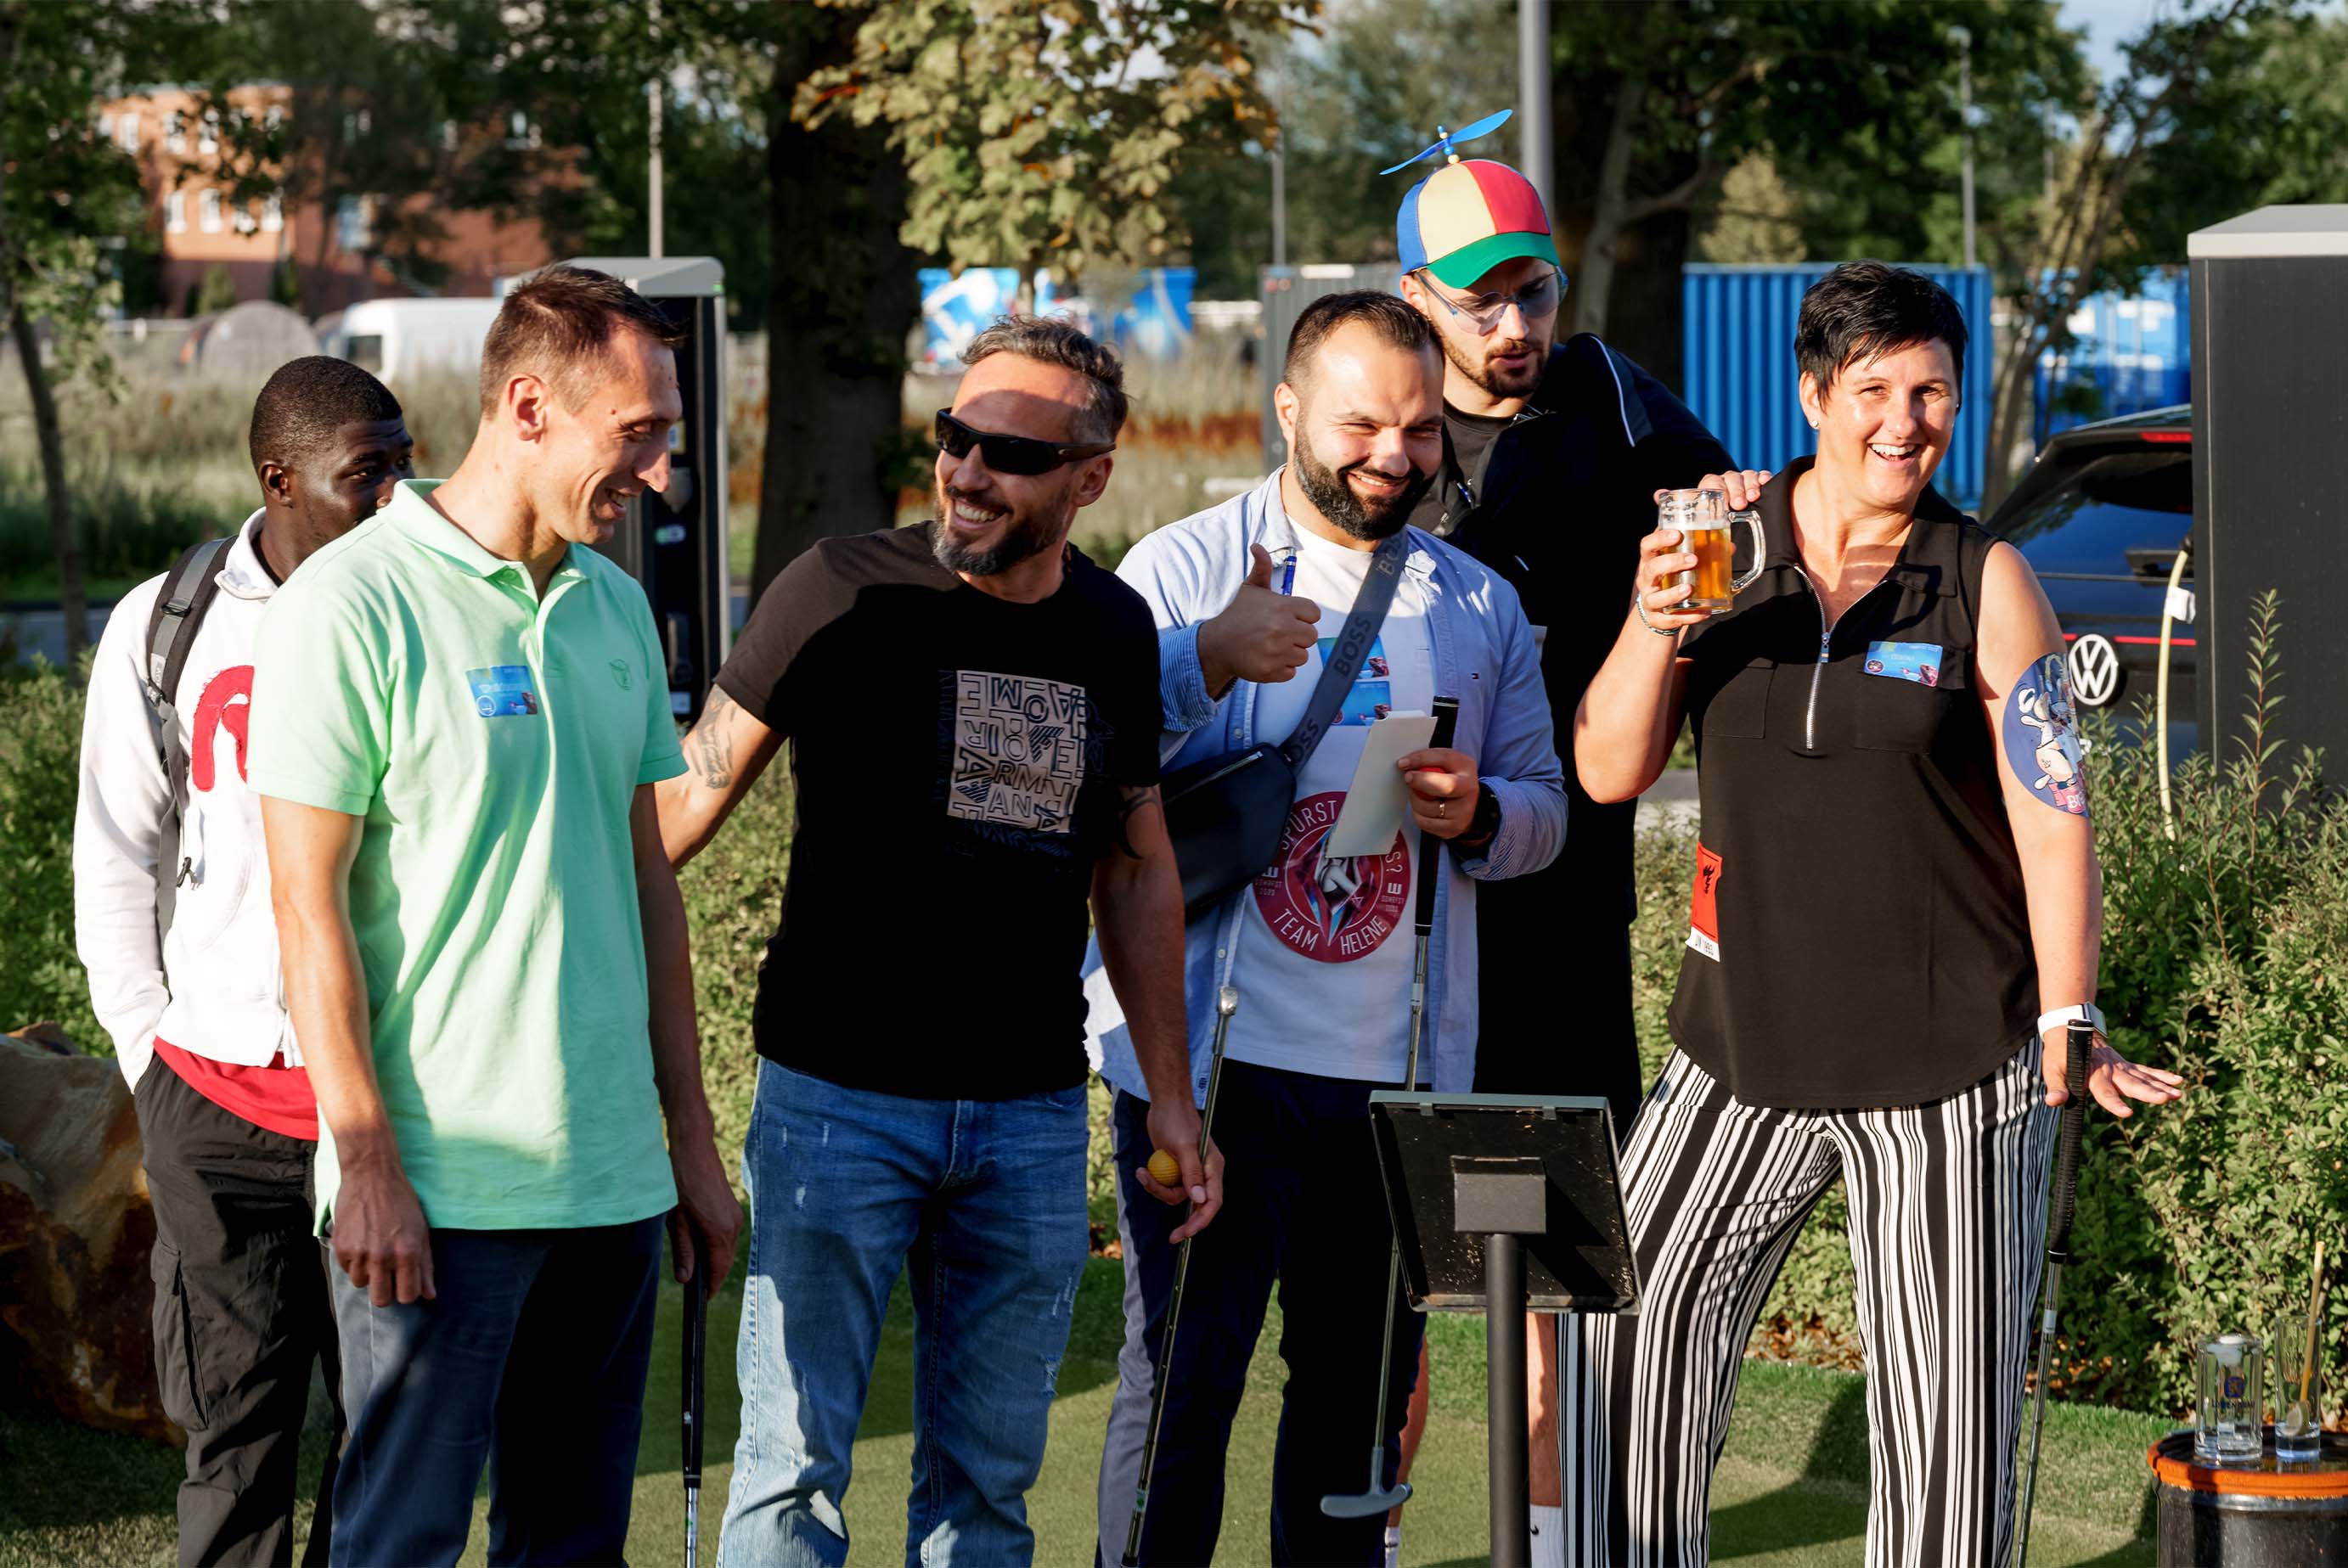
[1790, 1493]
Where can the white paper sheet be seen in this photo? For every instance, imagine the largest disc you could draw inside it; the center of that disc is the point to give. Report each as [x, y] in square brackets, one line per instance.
[1378, 799]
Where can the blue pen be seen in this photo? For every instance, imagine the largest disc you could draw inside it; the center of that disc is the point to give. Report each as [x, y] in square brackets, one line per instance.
[1288, 577]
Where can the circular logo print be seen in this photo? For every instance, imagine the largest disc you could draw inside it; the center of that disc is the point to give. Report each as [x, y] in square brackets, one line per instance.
[1333, 910]
[2094, 670]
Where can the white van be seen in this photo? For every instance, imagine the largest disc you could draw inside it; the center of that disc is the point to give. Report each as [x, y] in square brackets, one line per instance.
[394, 338]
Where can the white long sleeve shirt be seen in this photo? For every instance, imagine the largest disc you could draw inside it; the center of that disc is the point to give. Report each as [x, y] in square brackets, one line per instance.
[213, 986]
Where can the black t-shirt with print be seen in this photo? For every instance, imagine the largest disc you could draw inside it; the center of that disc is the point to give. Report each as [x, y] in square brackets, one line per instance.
[957, 759]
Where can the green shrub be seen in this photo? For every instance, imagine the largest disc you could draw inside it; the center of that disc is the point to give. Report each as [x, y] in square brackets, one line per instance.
[40, 763]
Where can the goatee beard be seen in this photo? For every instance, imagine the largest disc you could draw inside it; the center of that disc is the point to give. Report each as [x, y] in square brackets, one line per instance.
[1022, 540]
[1336, 500]
[1494, 383]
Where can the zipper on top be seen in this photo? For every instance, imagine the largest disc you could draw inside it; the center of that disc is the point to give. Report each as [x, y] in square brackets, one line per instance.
[1826, 646]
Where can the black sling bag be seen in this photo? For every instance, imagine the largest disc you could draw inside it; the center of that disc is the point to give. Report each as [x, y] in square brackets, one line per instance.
[1224, 813]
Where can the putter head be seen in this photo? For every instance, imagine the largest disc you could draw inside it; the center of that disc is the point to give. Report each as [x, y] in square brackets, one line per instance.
[1362, 1504]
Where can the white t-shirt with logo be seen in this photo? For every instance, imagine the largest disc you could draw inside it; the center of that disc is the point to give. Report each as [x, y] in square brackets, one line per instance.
[1324, 957]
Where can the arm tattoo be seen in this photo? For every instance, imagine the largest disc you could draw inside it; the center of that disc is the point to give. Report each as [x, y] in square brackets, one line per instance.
[711, 748]
[1132, 803]
[2043, 743]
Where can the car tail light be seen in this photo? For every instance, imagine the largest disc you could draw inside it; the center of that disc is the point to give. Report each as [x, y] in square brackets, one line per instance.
[2170, 437]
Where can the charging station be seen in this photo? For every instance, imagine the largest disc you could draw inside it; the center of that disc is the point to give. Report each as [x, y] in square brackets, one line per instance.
[673, 541]
[2269, 508]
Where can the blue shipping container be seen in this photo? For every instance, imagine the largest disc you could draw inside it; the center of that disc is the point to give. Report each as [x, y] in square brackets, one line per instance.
[1737, 365]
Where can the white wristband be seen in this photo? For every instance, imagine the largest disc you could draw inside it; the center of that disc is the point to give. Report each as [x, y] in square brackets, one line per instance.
[2061, 1015]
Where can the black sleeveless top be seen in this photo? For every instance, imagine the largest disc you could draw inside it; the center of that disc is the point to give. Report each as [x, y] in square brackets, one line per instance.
[1858, 935]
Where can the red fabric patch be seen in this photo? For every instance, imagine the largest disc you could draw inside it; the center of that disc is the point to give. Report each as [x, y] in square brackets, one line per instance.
[1515, 205]
[271, 1095]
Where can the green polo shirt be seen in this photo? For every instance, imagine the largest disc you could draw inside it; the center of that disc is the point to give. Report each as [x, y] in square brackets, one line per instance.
[492, 739]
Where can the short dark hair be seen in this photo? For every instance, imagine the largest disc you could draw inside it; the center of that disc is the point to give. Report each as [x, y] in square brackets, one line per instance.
[1396, 323]
[1864, 310]
[559, 327]
[302, 406]
[1054, 340]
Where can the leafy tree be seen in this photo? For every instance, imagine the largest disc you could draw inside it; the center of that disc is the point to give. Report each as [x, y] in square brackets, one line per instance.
[2189, 106]
[389, 103]
[1050, 131]
[1657, 103]
[63, 189]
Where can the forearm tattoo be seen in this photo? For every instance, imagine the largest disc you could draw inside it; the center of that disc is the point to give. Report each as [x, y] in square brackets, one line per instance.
[1128, 806]
[2042, 742]
[709, 745]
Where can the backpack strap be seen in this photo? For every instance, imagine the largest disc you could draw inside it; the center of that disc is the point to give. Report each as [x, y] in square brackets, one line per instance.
[188, 591]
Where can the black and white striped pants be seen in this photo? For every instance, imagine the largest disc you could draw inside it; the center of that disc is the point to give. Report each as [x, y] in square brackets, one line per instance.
[1948, 1216]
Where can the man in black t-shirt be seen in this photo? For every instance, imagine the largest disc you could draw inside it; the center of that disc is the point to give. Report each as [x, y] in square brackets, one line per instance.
[974, 712]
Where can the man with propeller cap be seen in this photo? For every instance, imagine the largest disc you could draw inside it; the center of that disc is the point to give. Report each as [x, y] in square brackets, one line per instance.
[1553, 456]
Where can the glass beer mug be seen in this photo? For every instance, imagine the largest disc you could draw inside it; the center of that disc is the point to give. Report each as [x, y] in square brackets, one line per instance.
[1707, 532]
[2227, 1427]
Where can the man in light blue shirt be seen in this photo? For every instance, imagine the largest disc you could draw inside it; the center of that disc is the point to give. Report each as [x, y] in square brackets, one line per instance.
[1249, 599]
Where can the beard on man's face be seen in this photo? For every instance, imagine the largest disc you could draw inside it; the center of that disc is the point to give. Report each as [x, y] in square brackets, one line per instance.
[1334, 495]
[1026, 534]
[1473, 361]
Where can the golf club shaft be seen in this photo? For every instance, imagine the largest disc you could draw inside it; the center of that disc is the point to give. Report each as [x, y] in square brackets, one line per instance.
[1431, 864]
[697, 1337]
[2079, 1045]
[1226, 1003]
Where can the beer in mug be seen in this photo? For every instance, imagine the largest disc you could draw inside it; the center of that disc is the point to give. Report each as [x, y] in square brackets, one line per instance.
[1707, 532]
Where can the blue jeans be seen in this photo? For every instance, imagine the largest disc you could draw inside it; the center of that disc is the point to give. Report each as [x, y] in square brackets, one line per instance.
[529, 1357]
[981, 1203]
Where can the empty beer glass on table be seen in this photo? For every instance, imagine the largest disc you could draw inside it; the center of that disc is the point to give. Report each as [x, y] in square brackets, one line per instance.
[1707, 530]
[2298, 1389]
[2226, 1421]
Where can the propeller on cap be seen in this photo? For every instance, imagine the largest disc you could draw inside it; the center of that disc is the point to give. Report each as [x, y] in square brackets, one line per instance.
[1444, 139]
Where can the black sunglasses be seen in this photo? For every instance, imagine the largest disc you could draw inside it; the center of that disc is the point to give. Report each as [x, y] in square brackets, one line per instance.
[1012, 453]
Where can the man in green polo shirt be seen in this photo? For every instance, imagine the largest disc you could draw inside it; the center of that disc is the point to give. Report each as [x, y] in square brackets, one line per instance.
[458, 719]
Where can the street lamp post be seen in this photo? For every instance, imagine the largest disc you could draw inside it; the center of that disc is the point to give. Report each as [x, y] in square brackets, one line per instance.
[1965, 130]
[1532, 94]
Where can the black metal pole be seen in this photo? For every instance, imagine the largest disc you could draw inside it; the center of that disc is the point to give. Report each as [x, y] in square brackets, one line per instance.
[1504, 1357]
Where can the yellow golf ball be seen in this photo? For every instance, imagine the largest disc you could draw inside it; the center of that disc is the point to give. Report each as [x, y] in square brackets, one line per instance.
[1165, 1169]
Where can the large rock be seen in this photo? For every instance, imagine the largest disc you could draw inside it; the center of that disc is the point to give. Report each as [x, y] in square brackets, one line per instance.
[76, 1229]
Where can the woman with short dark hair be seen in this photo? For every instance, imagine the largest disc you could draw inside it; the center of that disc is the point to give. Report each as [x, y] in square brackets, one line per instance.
[1896, 915]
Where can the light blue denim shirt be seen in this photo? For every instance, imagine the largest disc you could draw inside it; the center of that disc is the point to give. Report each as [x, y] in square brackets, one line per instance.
[1484, 654]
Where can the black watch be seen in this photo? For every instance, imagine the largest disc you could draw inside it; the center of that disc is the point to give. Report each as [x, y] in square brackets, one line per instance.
[1485, 824]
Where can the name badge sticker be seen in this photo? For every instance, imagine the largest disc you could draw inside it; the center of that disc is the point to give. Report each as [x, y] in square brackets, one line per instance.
[1704, 909]
[503, 691]
[1916, 661]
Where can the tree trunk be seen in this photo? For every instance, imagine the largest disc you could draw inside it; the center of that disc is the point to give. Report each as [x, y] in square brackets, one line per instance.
[71, 597]
[1594, 288]
[842, 301]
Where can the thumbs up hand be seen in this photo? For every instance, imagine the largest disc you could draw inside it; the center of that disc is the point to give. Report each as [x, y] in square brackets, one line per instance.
[1262, 635]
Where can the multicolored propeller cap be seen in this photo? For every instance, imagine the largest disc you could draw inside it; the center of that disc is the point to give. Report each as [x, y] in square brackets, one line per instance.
[1470, 215]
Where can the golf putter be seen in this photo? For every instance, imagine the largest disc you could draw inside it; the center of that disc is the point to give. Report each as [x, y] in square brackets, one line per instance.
[1379, 1498]
[1226, 1002]
[697, 1334]
[2077, 1043]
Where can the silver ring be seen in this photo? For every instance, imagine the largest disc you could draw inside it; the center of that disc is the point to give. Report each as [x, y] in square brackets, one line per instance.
[1443, 808]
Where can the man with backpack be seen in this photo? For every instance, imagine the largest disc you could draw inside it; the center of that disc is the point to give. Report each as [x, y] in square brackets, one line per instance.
[173, 921]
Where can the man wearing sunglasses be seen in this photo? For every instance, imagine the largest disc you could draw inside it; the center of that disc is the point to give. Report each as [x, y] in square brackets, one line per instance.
[973, 709]
[1553, 452]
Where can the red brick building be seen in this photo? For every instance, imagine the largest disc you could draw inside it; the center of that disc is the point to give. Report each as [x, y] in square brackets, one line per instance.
[335, 251]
